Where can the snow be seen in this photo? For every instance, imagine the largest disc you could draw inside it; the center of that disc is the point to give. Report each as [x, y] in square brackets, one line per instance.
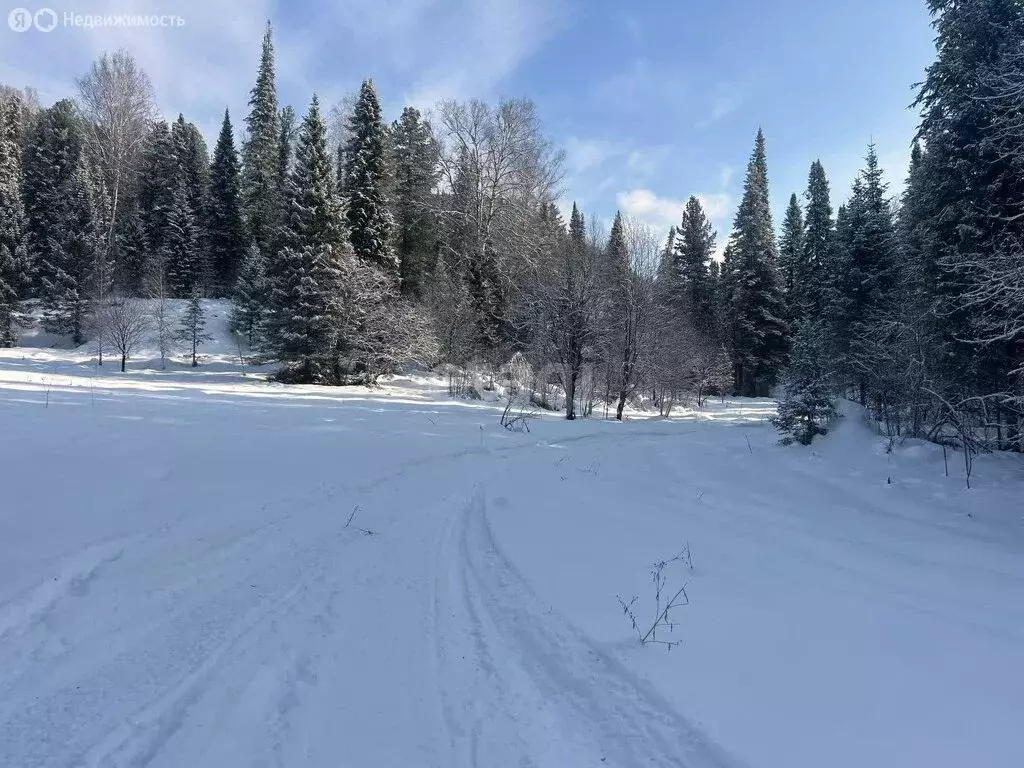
[178, 586]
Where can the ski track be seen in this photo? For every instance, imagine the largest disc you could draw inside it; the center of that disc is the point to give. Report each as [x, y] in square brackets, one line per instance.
[521, 668]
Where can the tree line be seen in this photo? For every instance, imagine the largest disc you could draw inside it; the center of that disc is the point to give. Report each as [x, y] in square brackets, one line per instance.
[351, 247]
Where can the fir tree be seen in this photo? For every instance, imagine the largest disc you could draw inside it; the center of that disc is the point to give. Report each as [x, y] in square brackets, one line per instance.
[307, 279]
[260, 154]
[806, 406]
[414, 157]
[369, 218]
[193, 326]
[756, 304]
[224, 231]
[13, 223]
[181, 246]
[792, 250]
[250, 297]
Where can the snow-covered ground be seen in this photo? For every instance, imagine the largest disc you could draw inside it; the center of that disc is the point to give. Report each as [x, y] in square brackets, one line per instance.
[178, 586]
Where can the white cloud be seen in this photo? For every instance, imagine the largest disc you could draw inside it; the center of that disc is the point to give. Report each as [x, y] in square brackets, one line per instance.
[716, 205]
[725, 175]
[659, 213]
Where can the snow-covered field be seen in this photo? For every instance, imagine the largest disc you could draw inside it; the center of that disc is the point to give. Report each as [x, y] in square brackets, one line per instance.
[178, 586]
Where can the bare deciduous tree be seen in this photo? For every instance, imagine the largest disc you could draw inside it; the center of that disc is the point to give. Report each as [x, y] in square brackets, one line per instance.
[127, 323]
[635, 315]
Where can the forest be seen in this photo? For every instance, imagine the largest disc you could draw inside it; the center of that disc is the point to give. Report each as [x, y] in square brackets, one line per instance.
[353, 247]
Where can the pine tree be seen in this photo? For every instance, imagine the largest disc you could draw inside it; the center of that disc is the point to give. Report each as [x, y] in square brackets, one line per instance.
[414, 157]
[157, 184]
[819, 230]
[369, 218]
[694, 248]
[260, 154]
[806, 405]
[756, 308]
[13, 224]
[250, 297]
[181, 246]
[307, 279]
[224, 231]
[193, 326]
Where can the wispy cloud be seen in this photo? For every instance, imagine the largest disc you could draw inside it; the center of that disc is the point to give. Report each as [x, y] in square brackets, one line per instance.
[477, 43]
[726, 100]
[642, 85]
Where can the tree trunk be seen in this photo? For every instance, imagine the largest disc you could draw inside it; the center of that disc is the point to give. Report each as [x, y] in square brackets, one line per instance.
[124, 361]
[570, 395]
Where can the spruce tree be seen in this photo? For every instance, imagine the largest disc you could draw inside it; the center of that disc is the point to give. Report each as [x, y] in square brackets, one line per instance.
[868, 277]
[968, 201]
[414, 158]
[130, 251]
[13, 223]
[792, 249]
[73, 258]
[224, 232]
[158, 184]
[181, 246]
[806, 405]
[260, 154]
[54, 147]
[369, 218]
[250, 297]
[757, 309]
[819, 229]
[694, 249]
[194, 175]
[307, 277]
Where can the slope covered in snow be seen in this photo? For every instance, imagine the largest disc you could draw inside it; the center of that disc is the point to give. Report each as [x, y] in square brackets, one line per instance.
[179, 584]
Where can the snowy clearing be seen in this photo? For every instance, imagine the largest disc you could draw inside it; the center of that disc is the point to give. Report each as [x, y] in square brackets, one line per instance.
[178, 586]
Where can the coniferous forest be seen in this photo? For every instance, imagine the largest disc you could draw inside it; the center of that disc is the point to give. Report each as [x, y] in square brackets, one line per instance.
[353, 252]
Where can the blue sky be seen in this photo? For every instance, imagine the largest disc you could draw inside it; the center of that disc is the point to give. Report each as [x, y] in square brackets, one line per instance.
[653, 101]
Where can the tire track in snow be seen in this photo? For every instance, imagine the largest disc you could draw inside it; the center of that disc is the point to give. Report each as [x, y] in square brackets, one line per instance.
[529, 689]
